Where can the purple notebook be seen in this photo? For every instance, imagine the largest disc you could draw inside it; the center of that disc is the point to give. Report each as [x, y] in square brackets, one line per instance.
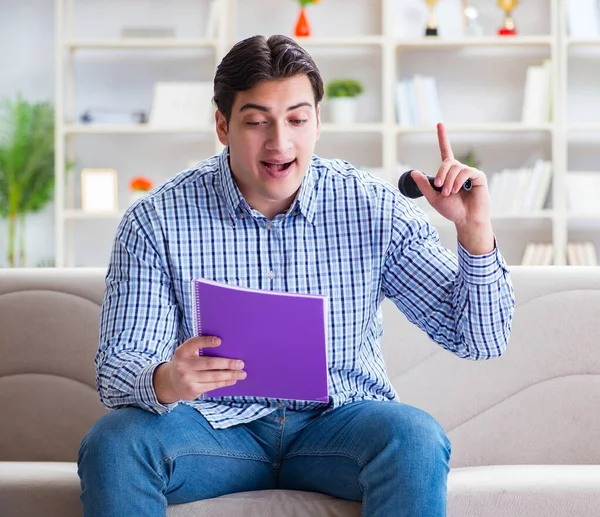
[281, 337]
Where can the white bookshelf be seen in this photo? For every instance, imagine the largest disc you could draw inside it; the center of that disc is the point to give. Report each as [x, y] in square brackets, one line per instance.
[73, 129]
[80, 214]
[582, 128]
[474, 42]
[499, 127]
[375, 53]
[364, 41]
[140, 43]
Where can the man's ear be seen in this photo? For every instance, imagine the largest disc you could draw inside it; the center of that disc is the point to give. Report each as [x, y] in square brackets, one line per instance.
[222, 129]
[318, 121]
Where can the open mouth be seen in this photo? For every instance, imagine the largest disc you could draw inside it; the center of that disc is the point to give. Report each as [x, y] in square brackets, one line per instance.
[277, 166]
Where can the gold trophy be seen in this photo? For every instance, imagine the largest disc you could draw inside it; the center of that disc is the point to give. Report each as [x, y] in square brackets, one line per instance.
[431, 29]
[508, 29]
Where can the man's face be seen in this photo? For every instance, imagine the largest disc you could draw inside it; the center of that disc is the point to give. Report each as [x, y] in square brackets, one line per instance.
[271, 136]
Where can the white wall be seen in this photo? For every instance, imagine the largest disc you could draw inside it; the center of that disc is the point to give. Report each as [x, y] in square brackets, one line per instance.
[27, 66]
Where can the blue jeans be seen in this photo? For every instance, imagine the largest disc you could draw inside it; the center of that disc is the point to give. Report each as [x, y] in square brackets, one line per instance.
[391, 456]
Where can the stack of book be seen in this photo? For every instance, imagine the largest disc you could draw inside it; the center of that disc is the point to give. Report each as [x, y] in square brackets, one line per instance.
[578, 254]
[520, 191]
[417, 102]
[538, 254]
[581, 254]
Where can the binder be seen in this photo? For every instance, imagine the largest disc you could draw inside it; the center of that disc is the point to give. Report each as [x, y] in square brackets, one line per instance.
[281, 337]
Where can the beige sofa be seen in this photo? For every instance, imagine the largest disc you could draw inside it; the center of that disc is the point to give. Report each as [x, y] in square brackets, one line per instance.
[525, 428]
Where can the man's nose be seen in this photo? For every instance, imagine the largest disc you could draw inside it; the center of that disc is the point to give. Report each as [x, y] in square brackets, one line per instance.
[279, 138]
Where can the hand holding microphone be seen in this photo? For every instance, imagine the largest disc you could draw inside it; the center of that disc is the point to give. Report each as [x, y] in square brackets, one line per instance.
[408, 187]
[469, 209]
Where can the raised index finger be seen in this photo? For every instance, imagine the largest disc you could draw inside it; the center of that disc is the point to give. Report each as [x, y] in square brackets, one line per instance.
[444, 143]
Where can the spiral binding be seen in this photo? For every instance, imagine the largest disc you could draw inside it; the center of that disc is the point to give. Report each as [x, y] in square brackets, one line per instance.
[197, 324]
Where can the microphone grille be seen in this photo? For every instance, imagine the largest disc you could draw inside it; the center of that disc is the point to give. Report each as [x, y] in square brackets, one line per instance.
[408, 187]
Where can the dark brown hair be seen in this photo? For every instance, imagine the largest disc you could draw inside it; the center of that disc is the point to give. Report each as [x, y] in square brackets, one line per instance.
[257, 59]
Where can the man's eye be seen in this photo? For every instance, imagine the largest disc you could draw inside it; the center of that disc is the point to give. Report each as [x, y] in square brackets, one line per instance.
[299, 121]
[254, 123]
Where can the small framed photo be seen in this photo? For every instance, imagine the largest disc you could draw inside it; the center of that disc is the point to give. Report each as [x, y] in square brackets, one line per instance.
[99, 192]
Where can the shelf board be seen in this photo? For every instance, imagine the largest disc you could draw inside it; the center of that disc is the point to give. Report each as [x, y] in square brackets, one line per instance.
[132, 128]
[140, 43]
[590, 42]
[80, 214]
[584, 216]
[436, 218]
[352, 128]
[341, 42]
[485, 41]
[491, 127]
[584, 126]
[540, 214]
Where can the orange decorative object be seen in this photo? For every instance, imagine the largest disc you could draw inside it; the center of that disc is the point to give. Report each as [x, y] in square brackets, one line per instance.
[140, 183]
[302, 29]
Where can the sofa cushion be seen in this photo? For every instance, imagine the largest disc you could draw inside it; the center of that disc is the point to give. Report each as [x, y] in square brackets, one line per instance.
[524, 491]
[40, 488]
[47, 380]
[52, 489]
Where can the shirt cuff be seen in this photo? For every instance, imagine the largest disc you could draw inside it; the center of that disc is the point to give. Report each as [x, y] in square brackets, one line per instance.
[481, 269]
[145, 396]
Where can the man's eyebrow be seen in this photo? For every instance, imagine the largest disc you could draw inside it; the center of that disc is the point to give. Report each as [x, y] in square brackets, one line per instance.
[251, 105]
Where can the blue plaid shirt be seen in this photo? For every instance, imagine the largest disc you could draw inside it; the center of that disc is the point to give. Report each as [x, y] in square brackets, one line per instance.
[347, 235]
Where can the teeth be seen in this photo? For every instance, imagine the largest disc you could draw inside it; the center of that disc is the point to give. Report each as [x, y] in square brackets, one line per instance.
[277, 166]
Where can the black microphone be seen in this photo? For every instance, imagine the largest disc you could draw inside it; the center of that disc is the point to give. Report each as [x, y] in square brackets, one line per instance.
[408, 187]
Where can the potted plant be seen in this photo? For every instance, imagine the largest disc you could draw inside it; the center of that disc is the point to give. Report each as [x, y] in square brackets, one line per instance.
[26, 167]
[342, 94]
[139, 187]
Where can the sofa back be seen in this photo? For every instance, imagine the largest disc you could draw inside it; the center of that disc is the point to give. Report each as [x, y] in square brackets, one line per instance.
[537, 404]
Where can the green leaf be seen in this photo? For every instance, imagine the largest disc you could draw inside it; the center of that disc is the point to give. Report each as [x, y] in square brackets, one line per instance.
[343, 88]
[26, 156]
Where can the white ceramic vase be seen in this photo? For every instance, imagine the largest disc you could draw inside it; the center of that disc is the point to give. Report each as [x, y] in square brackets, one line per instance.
[343, 110]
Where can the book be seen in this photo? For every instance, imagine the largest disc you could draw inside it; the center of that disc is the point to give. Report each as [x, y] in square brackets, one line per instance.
[583, 18]
[537, 97]
[281, 337]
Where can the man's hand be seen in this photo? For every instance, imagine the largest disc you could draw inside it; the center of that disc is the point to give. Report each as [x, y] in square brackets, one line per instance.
[188, 375]
[468, 210]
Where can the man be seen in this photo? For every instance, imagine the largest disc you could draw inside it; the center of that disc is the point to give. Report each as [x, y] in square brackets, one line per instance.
[268, 214]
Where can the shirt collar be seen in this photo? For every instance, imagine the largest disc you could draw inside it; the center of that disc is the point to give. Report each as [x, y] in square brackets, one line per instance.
[306, 200]
[237, 207]
[231, 192]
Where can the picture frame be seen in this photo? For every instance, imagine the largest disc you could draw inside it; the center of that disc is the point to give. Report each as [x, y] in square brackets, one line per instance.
[99, 190]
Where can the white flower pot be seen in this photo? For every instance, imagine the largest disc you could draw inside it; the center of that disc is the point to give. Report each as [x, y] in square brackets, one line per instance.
[343, 110]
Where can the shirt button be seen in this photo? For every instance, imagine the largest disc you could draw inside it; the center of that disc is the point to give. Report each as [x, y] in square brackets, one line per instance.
[268, 226]
[271, 274]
